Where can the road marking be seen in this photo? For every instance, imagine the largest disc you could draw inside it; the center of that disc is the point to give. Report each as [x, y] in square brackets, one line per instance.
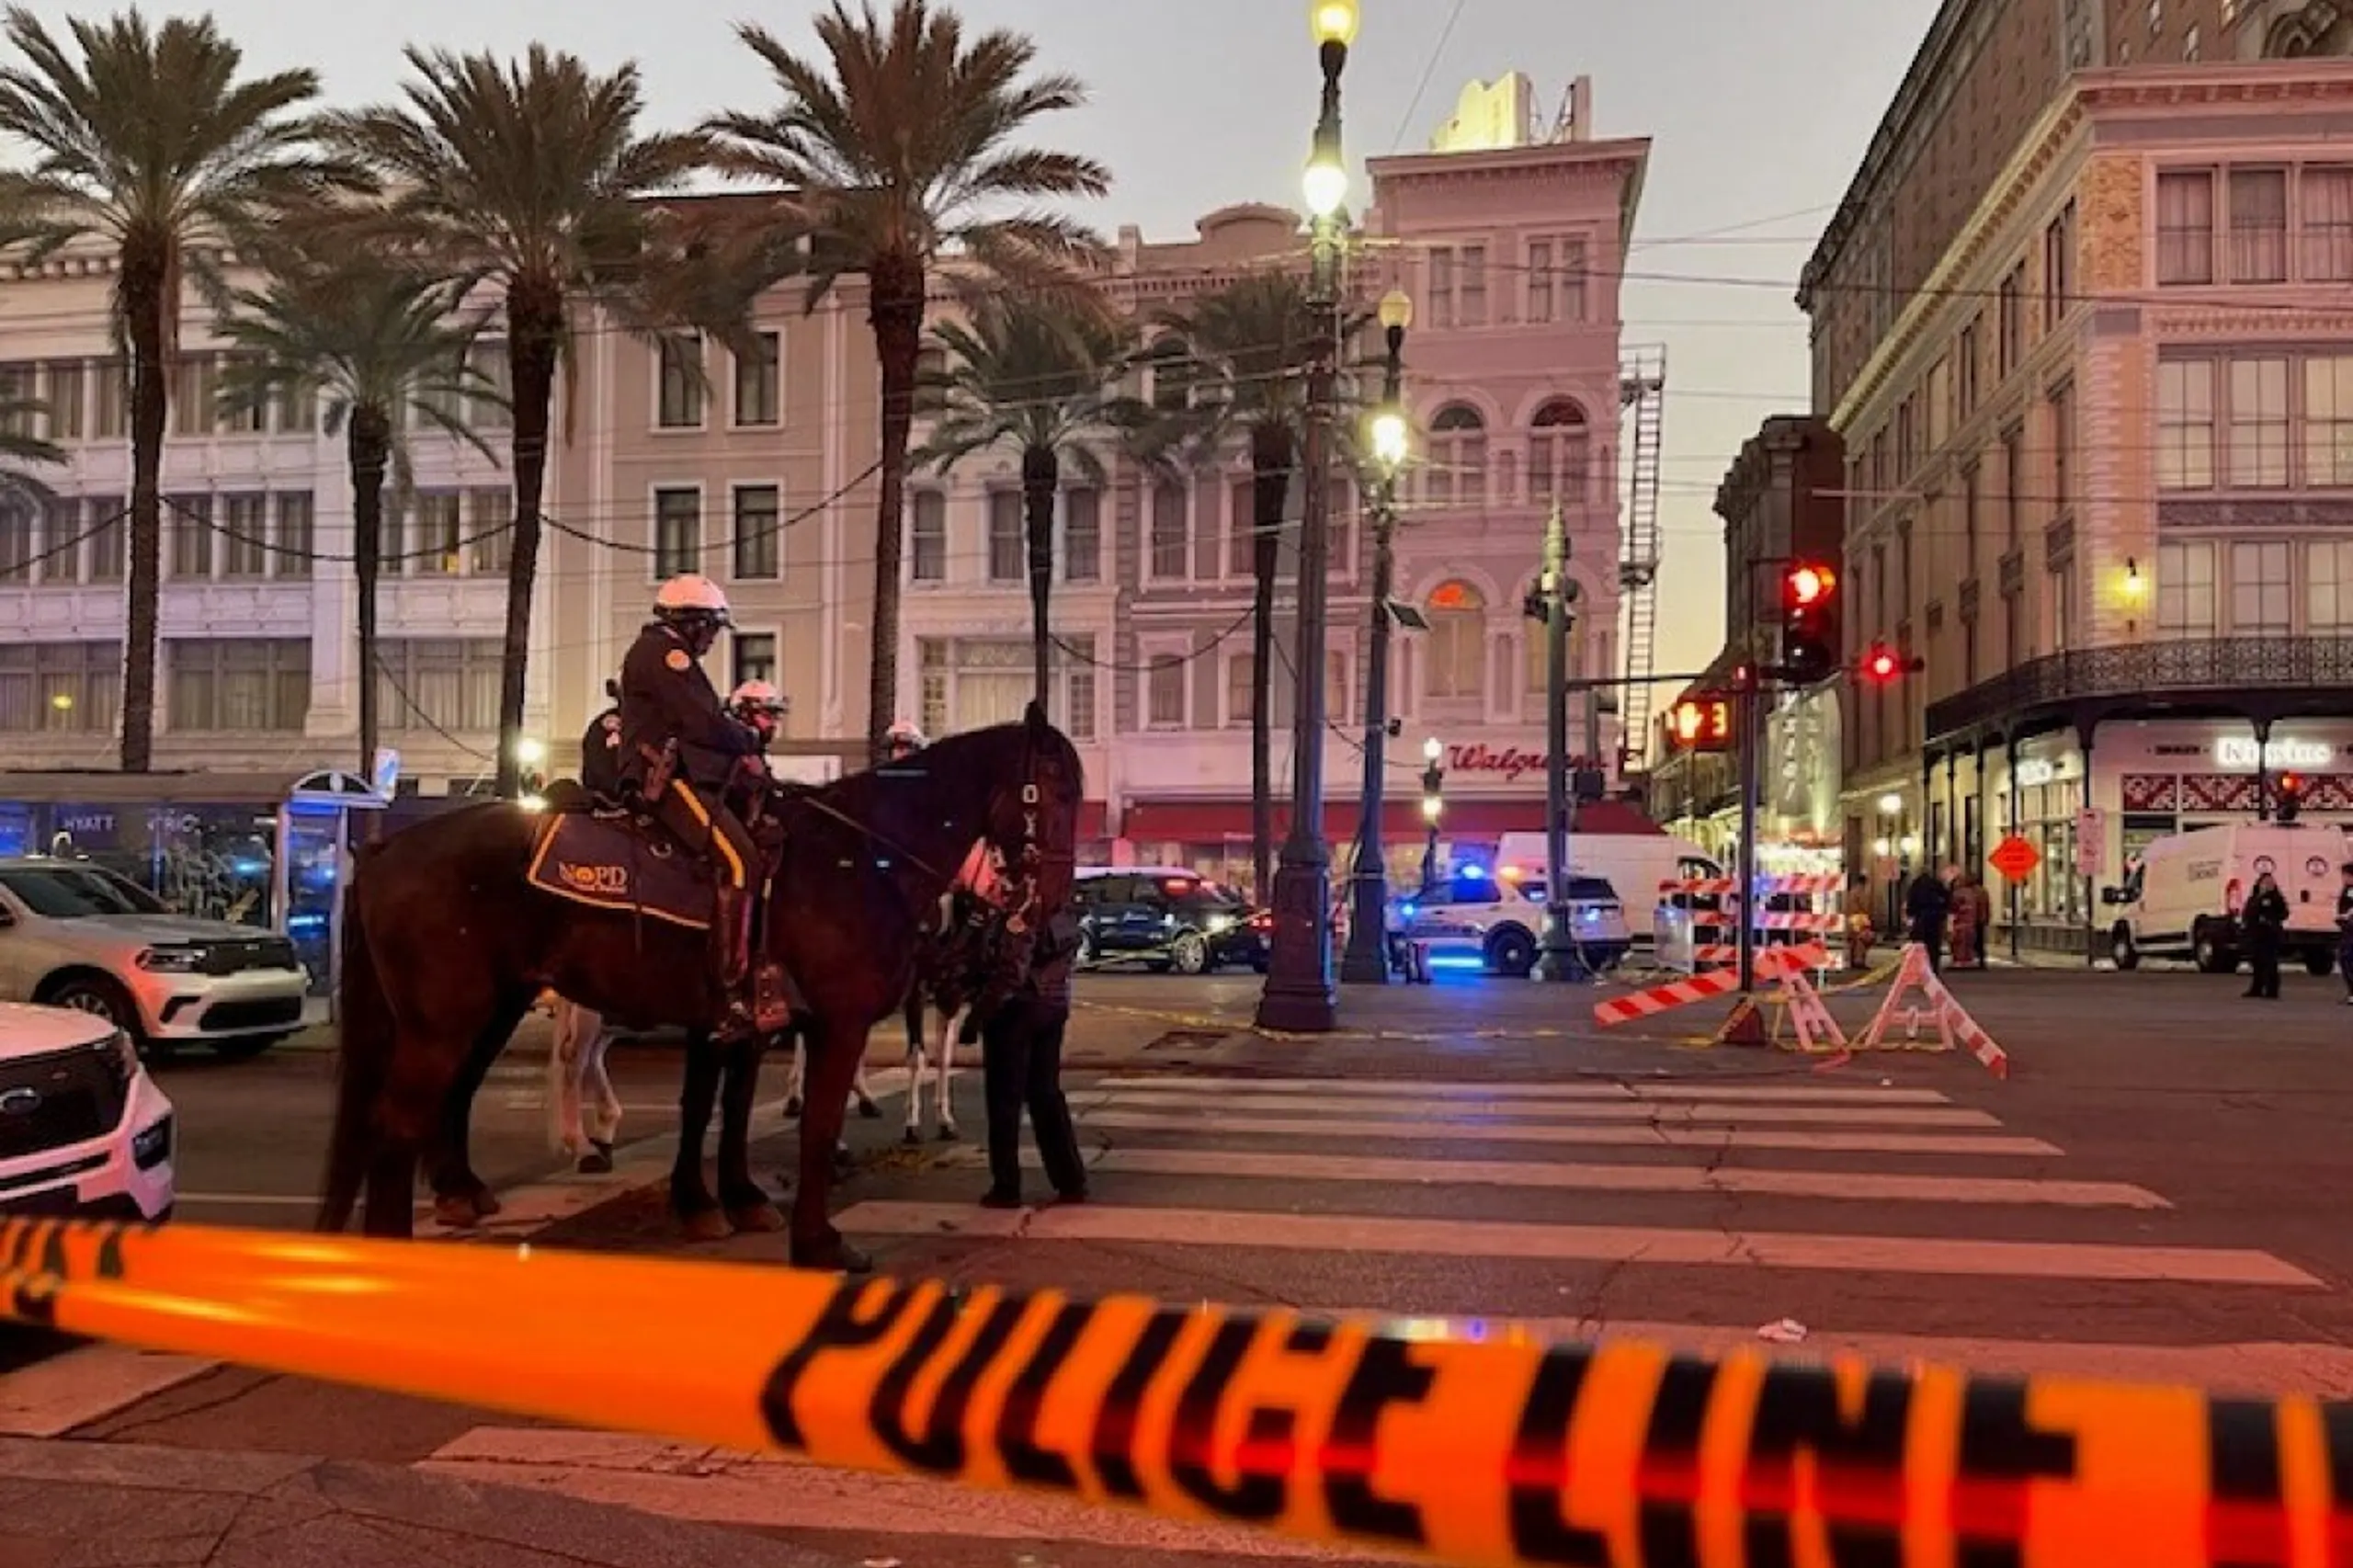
[714, 1486]
[1433, 1089]
[1872, 1187]
[1644, 1244]
[1857, 1142]
[1469, 1112]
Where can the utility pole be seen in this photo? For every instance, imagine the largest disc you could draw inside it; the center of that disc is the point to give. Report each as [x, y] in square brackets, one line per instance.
[1751, 704]
[1562, 960]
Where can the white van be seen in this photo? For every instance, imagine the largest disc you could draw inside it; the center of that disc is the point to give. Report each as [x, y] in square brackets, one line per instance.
[2182, 896]
[1633, 863]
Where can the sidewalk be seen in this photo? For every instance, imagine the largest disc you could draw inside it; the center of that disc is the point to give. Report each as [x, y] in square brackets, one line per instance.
[65, 1505]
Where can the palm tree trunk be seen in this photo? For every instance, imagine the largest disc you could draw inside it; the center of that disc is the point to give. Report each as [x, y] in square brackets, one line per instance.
[895, 312]
[369, 442]
[146, 270]
[1271, 464]
[535, 332]
[1041, 474]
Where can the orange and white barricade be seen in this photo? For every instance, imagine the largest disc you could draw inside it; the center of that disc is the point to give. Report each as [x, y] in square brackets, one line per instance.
[1771, 963]
[1955, 1027]
[1713, 936]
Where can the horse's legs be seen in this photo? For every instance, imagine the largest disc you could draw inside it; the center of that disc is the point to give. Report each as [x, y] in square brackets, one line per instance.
[834, 1053]
[566, 1067]
[947, 1078]
[918, 1066]
[607, 1129]
[410, 1118]
[866, 1105]
[747, 1204]
[690, 1200]
[459, 1197]
[798, 1077]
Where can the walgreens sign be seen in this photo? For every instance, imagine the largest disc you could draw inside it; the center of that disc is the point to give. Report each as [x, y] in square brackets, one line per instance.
[1507, 764]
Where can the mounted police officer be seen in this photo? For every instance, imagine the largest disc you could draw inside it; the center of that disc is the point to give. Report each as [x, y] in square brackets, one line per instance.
[600, 750]
[760, 708]
[683, 751]
[903, 741]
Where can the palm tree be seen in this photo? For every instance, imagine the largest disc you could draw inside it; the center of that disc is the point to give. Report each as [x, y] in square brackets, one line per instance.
[895, 148]
[1040, 374]
[152, 141]
[531, 177]
[19, 447]
[378, 346]
[1251, 343]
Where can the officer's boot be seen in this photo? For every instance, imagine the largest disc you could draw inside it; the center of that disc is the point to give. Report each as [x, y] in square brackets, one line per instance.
[729, 913]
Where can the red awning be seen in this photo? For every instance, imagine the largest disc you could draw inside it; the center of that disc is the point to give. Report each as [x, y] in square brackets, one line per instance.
[1209, 821]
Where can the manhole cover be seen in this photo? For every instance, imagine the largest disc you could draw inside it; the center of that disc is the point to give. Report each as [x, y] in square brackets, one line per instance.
[1186, 1040]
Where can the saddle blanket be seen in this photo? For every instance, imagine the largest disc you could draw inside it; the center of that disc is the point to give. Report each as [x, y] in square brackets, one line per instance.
[608, 861]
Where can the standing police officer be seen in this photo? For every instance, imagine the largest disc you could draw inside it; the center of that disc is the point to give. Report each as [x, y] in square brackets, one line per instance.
[600, 750]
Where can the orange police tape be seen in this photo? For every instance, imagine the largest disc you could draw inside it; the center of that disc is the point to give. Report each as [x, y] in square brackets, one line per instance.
[1502, 1451]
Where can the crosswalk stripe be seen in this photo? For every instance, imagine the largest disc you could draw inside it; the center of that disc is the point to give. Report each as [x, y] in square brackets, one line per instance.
[1874, 1187]
[1440, 1089]
[1572, 1112]
[1650, 1245]
[1597, 1135]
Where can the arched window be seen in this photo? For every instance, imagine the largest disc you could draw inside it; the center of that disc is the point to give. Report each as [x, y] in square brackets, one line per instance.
[1558, 459]
[1172, 374]
[1457, 642]
[1457, 457]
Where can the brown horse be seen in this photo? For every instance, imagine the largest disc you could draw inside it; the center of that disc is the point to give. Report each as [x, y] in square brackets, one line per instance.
[446, 945]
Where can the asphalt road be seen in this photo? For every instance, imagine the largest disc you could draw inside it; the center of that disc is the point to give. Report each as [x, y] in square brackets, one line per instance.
[2155, 1192]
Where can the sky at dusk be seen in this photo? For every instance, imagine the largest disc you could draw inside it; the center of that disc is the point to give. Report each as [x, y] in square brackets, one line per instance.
[1756, 120]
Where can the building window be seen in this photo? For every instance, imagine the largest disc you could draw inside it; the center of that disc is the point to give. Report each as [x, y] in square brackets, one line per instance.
[2259, 423]
[1164, 692]
[677, 531]
[928, 560]
[2186, 589]
[679, 396]
[438, 684]
[195, 379]
[2063, 448]
[244, 536]
[1907, 439]
[1558, 444]
[188, 519]
[1966, 359]
[756, 381]
[2186, 424]
[1079, 689]
[239, 684]
[1457, 457]
[1456, 647]
[2186, 226]
[2262, 598]
[2059, 592]
[2156, 17]
[2011, 305]
[64, 400]
[1542, 285]
[1973, 487]
[491, 405]
[757, 554]
[71, 687]
[753, 657]
[2328, 420]
[292, 529]
[1004, 536]
[2258, 225]
[1082, 537]
[1169, 536]
[2191, 47]
[2059, 267]
[1173, 375]
[435, 553]
[2013, 487]
[1240, 527]
[111, 410]
[2328, 593]
[1241, 689]
[109, 525]
[2327, 198]
[490, 530]
[19, 535]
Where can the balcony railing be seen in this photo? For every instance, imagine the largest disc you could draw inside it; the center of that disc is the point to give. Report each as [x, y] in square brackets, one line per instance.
[2181, 667]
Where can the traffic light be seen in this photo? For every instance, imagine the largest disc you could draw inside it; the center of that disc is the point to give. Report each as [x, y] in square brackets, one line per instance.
[1700, 724]
[2286, 797]
[1809, 622]
[1883, 665]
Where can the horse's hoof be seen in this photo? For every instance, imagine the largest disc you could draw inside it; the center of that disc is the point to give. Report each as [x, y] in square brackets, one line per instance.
[457, 1212]
[792, 1109]
[948, 1133]
[910, 1136]
[756, 1218]
[487, 1204]
[599, 1163]
[868, 1110]
[705, 1225]
[833, 1254]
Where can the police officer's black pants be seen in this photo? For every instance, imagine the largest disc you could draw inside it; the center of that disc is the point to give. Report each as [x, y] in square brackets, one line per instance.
[1021, 1065]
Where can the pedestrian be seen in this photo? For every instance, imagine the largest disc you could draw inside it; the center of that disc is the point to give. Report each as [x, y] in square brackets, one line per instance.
[1860, 932]
[1928, 905]
[1020, 1021]
[2345, 930]
[1981, 903]
[1966, 930]
[2263, 922]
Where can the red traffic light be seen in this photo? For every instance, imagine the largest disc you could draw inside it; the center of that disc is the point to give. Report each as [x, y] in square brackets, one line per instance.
[1807, 585]
[1881, 665]
[2292, 784]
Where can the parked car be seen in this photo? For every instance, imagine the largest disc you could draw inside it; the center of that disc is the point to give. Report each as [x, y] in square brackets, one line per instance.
[83, 1131]
[1169, 918]
[74, 935]
[1502, 921]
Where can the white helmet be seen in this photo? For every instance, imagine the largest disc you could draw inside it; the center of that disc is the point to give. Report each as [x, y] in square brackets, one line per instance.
[905, 733]
[691, 593]
[757, 695]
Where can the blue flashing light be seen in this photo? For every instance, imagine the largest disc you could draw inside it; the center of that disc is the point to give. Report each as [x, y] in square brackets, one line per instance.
[1474, 872]
[1469, 962]
[1406, 909]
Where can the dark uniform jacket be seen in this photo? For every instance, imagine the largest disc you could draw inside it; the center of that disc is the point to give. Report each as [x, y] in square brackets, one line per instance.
[1034, 964]
[665, 697]
[600, 756]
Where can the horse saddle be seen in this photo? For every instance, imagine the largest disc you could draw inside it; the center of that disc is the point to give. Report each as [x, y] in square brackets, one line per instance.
[598, 852]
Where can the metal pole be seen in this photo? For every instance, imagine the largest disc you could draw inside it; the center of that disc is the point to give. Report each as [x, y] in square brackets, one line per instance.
[1562, 960]
[1299, 994]
[1366, 962]
[1752, 735]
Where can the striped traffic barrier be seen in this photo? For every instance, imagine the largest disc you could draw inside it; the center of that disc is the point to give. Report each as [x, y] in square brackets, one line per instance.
[1655, 999]
[1496, 1452]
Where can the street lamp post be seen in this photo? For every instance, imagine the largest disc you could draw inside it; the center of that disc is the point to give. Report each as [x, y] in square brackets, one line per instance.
[1433, 807]
[1367, 959]
[1298, 995]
